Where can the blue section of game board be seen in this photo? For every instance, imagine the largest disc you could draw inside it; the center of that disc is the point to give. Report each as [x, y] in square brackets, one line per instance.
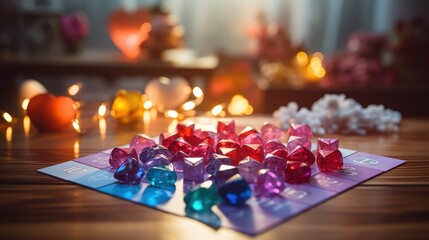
[259, 214]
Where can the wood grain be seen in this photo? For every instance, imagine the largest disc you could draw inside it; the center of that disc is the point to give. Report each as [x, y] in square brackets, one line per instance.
[35, 206]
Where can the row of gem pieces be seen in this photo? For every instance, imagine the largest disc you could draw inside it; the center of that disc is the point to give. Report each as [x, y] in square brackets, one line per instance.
[232, 160]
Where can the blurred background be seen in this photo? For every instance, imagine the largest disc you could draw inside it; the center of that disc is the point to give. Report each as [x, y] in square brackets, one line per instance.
[263, 54]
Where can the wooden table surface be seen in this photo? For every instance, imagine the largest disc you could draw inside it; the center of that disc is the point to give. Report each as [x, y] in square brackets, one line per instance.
[394, 205]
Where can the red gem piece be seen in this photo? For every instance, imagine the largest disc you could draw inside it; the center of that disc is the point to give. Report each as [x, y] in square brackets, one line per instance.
[118, 156]
[227, 143]
[297, 172]
[275, 164]
[301, 154]
[140, 141]
[273, 145]
[329, 161]
[327, 144]
[253, 139]
[270, 131]
[254, 151]
[233, 153]
[226, 127]
[202, 150]
[194, 140]
[300, 130]
[165, 140]
[246, 132]
[282, 153]
[180, 144]
[295, 141]
[184, 130]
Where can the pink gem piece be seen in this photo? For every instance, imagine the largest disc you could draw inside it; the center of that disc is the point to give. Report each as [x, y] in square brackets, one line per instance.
[329, 161]
[275, 164]
[202, 150]
[270, 131]
[272, 145]
[300, 130]
[185, 130]
[233, 153]
[117, 157]
[297, 172]
[140, 141]
[295, 141]
[207, 136]
[246, 132]
[254, 151]
[180, 145]
[253, 139]
[301, 154]
[165, 140]
[327, 144]
[268, 184]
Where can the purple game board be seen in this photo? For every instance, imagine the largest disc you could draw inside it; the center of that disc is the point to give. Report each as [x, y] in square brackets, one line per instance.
[259, 214]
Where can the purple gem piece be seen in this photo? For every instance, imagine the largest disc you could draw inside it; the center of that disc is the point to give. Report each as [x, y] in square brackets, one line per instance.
[178, 161]
[159, 160]
[249, 168]
[295, 141]
[300, 130]
[253, 138]
[224, 173]
[193, 169]
[268, 184]
[272, 145]
[140, 141]
[150, 152]
[118, 156]
[130, 172]
[275, 164]
[215, 161]
[269, 131]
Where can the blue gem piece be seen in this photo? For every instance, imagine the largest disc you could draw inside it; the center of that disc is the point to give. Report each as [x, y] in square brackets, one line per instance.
[161, 177]
[202, 198]
[130, 172]
[215, 161]
[156, 161]
[235, 191]
[225, 172]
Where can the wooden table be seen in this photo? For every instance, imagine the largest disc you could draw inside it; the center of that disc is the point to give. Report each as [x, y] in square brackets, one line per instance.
[393, 205]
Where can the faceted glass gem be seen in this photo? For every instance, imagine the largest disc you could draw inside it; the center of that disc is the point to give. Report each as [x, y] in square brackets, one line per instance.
[161, 177]
[193, 140]
[272, 145]
[233, 153]
[167, 140]
[254, 151]
[223, 127]
[328, 161]
[185, 130]
[130, 172]
[202, 198]
[275, 164]
[246, 132]
[227, 143]
[207, 136]
[225, 172]
[301, 154]
[202, 150]
[178, 160]
[270, 131]
[117, 157]
[268, 184]
[140, 141]
[215, 161]
[193, 169]
[253, 139]
[297, 172]
[235, 191]
[157, 161]
[159, 149]
[180, 145]
[295, 141]
[300, 130]
[327, 144]
[282, 153]
[249, 168]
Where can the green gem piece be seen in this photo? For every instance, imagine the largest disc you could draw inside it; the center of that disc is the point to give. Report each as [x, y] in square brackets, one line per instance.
[202, 198]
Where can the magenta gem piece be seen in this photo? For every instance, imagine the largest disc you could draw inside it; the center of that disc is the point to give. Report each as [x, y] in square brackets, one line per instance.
[118, 156]
[295, 141]
[327, 144]
[130, 172]
[328, 161]
[140, 141]
[268, 184]
[185, 130]
[282, 153]
[272, 145]
[302, 154]
[246, 132]
[180, 145]
[193, 169]
[249, 168]
[209, 137]
[275, 164]
[300, 130]
[202, 150]
[254, 151]
[270, 131]
[253, 138]
[297, 172]
[178, 161]
[166, 140]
